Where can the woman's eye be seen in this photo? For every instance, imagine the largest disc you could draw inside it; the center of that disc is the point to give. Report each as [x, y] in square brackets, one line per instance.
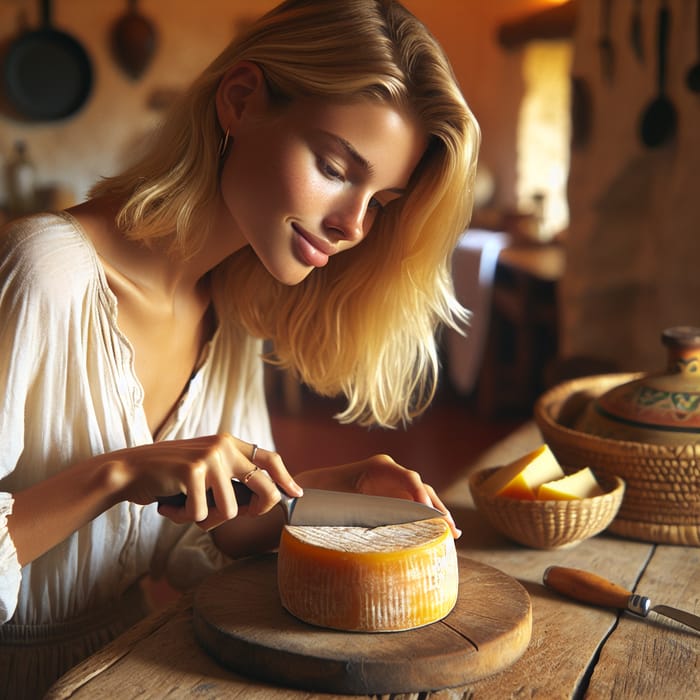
[374, 203]
[329, 170]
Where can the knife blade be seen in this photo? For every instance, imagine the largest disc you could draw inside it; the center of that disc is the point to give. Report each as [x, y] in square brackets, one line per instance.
[588, 587]
[339, 508]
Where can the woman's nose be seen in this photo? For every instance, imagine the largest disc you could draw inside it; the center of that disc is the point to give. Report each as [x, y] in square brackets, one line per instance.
[350, 219]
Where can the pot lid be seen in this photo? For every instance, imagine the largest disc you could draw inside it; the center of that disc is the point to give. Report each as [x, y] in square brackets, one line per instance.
[662, 407]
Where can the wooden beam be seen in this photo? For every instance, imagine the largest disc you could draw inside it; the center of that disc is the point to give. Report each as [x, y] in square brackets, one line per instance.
[556, 22]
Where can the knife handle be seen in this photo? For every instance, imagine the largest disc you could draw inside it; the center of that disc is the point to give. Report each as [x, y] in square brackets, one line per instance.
[242, 492]
[586, 587]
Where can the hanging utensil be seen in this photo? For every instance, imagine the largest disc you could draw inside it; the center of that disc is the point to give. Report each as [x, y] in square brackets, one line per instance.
[636, 34]
[658, 123]
[134, 41]
[591, 588]
[581, 112]
[48, 73]
[605, 44]
[692, 78]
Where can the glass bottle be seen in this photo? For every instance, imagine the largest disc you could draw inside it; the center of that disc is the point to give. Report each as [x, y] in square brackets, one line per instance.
[21, 182]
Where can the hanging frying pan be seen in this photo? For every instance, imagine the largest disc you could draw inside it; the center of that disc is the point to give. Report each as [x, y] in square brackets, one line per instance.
[48, 74]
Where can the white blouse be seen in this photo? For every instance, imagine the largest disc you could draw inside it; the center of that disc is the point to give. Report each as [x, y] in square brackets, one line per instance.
[68, 390]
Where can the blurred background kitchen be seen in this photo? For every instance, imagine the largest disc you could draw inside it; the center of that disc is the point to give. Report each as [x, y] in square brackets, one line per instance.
[585, 241]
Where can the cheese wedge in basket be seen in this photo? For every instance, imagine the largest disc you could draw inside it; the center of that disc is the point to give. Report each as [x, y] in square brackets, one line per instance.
[521, 478]
[580, 484]
[539, 476]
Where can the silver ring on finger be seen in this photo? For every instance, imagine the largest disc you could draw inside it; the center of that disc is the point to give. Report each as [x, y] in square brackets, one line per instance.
[253, 453]
[248, 475]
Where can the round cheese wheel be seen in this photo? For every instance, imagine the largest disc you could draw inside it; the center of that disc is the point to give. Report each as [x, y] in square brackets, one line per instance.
[390, 578]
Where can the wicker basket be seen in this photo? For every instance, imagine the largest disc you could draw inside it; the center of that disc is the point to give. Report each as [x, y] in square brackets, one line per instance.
[662, 496]
[549, 524]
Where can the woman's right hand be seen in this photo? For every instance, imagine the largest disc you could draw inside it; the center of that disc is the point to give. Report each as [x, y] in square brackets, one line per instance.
[49, 511]
[195, 467]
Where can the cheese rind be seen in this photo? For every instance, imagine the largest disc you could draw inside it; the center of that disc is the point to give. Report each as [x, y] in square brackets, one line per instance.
[521, 478]
[390, 578]
[580, 484]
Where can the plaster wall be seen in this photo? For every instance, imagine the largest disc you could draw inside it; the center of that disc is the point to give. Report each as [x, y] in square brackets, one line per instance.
[634, 239]
[71, 154]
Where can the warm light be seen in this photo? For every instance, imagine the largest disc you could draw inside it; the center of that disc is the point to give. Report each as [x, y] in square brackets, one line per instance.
[544, 5]
[544, 135]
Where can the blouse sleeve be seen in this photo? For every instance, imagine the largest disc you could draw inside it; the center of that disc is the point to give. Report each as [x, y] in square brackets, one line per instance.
[20, 343]
[10, 571]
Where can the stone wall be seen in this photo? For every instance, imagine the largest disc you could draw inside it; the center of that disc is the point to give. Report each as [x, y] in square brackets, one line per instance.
[634, 240]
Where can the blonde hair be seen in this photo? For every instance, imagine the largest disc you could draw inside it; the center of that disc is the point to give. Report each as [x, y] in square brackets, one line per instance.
[364, 326]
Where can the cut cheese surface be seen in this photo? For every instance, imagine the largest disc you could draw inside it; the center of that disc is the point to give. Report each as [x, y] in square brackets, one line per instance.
[390, 578]
[581, 484]
[521, 478]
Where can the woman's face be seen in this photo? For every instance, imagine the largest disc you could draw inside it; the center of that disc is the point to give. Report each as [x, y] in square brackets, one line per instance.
[307, 182]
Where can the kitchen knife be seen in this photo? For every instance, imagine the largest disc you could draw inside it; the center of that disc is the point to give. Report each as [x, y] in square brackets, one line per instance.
[591, 588]
[318, 507]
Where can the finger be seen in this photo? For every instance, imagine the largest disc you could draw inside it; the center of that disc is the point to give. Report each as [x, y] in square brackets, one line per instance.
[196, 505]
[266, 494]
[272, 463]
[420, 491]
[225, 463]
[437, 503]
[405, 483]
[220, 480]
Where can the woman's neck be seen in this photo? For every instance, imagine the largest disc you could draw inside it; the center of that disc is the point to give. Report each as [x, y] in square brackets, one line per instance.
[150, 266]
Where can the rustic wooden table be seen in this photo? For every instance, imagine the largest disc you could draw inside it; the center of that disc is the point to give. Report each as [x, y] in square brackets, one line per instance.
[576, 651]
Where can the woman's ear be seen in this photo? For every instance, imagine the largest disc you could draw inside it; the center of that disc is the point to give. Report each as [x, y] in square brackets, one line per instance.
[242, 91]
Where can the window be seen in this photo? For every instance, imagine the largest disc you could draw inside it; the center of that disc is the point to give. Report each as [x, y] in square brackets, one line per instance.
[544, 133]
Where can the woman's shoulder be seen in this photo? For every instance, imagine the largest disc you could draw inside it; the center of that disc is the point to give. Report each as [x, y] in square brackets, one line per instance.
[48, 246]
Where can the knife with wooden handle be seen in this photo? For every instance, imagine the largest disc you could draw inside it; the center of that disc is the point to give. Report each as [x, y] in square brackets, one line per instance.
[587, 587]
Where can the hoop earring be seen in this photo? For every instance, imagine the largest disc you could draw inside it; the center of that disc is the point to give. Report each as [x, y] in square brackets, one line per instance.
[223, 144]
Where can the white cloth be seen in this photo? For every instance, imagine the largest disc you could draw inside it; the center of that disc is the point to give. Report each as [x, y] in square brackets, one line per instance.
[473, 271]
[68, 390]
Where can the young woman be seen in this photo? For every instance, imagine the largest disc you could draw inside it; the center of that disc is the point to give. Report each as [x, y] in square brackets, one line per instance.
[308, 190]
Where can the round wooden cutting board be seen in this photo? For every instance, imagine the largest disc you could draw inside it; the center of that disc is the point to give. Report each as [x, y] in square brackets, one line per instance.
[239, 620]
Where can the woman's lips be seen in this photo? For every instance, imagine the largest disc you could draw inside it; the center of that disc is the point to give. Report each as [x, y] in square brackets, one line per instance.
[308, 249]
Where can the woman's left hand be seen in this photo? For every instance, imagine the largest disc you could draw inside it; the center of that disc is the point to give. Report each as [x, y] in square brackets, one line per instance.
[379, 475]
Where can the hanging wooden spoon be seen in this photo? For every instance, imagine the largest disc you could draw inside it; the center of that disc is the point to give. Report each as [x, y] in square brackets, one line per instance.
[134, 40]
[692, 77]
[659, 118]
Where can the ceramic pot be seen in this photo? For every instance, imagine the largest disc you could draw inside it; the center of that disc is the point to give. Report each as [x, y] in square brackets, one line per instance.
[661, 408]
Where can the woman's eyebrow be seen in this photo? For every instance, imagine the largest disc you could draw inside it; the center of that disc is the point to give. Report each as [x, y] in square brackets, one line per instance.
[359, 159]
[353, 153]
